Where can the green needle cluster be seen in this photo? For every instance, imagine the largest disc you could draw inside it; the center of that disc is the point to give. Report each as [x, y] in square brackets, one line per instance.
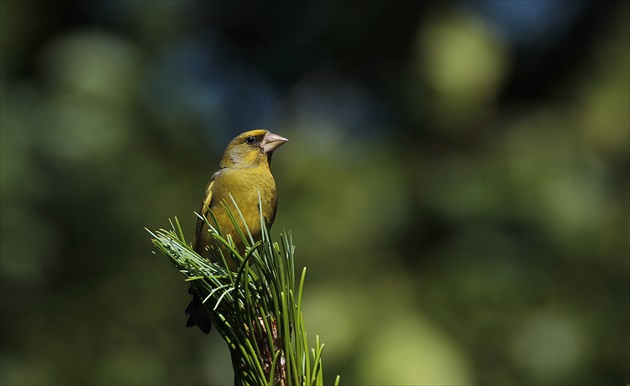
[255, 309]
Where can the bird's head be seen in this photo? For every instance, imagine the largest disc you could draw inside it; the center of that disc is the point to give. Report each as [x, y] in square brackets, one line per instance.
[251, 149]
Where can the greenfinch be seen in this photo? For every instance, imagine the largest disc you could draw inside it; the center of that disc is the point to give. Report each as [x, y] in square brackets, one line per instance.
[244, 174]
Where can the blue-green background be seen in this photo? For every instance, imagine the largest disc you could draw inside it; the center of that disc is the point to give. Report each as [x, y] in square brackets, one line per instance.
[456, 181]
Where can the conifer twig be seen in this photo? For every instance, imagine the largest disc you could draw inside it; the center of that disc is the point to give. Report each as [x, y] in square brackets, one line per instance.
[255, 309]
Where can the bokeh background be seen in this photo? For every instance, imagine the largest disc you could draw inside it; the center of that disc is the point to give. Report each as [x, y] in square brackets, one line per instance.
[456, 181]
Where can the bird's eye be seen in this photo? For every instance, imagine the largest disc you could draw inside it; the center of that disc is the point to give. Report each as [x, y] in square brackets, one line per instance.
[250, 140]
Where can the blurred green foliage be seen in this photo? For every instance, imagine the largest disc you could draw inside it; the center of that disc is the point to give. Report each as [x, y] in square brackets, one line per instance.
[454, 233]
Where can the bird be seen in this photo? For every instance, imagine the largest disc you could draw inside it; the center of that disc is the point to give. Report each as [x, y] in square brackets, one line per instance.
[244, 174]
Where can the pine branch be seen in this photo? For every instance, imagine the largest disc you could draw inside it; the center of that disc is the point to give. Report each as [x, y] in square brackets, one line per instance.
[255, 309]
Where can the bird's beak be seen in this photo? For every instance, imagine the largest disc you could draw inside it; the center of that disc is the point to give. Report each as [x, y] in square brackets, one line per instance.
[271, 142]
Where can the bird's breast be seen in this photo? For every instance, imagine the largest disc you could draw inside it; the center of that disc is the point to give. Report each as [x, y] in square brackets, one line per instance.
[244, 186]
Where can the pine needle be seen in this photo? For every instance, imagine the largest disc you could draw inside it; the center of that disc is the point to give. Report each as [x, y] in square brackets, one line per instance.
[255, 309]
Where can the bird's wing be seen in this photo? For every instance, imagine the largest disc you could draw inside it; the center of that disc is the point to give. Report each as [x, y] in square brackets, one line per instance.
[197, 314]
[205, 208]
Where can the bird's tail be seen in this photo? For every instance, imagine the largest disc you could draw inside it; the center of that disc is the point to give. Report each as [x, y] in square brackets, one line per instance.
[198, 315]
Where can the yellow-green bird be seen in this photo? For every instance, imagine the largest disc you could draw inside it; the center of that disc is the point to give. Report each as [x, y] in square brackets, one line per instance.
[243, 173]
